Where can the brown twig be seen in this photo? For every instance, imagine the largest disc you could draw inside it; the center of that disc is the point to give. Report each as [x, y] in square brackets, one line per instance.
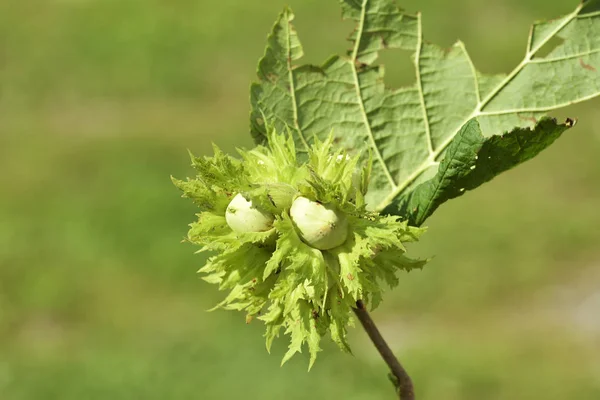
[403, 381]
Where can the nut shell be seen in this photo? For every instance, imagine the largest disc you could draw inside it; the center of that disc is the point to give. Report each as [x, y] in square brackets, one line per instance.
[320, 226]
[243, 217]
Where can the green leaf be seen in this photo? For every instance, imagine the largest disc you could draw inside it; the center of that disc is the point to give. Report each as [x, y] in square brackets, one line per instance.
[472, 159]
[340, 317]
[411, 130]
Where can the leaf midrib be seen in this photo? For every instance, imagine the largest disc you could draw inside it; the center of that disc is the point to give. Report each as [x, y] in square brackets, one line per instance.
[291, 80]
[361, 104]
[420, 84]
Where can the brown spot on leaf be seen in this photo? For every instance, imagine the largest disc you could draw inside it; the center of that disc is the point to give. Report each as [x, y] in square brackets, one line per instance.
[360, 65]
[384, 42]
[350, 277]
[586, 66]
[532, 119]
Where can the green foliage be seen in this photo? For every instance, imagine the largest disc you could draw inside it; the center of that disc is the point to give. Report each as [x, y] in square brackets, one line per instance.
[451, 131]
[472, 159]
[98, 299]
[275, 275]
[417, 132]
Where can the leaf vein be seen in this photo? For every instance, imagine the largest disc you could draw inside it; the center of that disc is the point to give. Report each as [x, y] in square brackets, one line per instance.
[292, 83]
[549, 60]
[361, 104]
[420, 84]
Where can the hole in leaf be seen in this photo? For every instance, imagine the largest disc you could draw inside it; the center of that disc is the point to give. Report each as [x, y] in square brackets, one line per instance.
[549, 47]
[322, 32]
[399, 67]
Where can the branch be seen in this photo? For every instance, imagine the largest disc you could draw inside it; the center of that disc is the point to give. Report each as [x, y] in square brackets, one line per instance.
[403, 381]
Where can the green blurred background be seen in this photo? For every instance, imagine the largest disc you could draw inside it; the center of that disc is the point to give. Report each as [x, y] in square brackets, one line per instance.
[99, 100]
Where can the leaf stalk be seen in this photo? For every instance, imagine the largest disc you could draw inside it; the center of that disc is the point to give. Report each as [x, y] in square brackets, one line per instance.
[404, 385]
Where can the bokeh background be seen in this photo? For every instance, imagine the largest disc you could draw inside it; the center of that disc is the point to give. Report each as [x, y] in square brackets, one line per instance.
[99, 101]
